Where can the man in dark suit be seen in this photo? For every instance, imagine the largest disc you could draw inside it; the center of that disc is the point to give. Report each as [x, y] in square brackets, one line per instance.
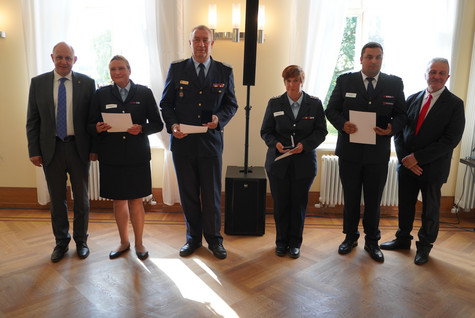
[58, 110]
[424, 147]
[199, 91]
[365, 166]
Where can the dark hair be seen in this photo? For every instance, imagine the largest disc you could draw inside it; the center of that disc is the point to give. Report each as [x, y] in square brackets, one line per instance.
[120, 58]
[292, 71]
[371, 45]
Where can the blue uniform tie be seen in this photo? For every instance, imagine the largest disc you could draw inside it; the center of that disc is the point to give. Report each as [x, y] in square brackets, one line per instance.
[370, 87]
[201, 74]
[295, 109]
[61, 122]
[123, 94]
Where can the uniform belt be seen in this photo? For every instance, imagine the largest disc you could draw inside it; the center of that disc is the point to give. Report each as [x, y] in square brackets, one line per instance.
[66, 139]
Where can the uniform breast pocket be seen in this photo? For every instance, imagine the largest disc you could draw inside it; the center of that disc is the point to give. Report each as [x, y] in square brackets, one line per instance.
[217, 89]
[182, 91]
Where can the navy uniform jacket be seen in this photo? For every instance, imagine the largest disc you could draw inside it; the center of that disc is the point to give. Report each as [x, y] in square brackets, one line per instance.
[309, 128]
[438, 135]
[122, 148]
[388, 103]
[184, 101]
[41, 118]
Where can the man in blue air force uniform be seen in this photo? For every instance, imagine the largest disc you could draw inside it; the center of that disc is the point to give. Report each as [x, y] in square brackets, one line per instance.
[199, 91]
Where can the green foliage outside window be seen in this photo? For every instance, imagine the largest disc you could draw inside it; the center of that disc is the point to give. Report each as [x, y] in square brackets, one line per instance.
[345, 62]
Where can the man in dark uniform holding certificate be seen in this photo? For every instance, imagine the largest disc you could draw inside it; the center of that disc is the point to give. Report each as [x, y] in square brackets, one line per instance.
[364, 167]
[199, 91]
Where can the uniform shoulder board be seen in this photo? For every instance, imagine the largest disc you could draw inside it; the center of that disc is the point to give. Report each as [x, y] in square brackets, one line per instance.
[314, 97]
[276, 97]
[226, 64]
[178, 61]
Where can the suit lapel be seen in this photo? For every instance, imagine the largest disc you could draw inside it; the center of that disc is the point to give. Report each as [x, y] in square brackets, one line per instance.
[191, 73]
[286, 106]
[49, 88]
[380, 84]
[303, 106]
[76, 94]
[414, 112]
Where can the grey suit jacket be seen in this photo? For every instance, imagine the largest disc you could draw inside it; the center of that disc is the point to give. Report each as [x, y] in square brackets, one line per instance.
[41, 119]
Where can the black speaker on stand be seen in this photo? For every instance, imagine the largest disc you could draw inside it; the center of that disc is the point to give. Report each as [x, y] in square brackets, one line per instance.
[245, 188]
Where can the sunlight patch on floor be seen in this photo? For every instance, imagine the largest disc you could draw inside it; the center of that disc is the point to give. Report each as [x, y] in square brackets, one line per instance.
[192, 287]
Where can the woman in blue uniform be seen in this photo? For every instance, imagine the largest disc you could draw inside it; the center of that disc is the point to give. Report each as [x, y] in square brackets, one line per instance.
[124, 157]
[293, 127]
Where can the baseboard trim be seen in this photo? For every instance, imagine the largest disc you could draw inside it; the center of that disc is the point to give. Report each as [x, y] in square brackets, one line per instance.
[26, 198]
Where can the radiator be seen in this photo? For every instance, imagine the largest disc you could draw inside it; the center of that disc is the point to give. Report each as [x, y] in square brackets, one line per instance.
[467, 201]
[331, 191]
[94, 182]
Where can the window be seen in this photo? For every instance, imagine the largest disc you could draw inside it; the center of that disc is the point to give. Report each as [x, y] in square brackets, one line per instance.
[407, 40]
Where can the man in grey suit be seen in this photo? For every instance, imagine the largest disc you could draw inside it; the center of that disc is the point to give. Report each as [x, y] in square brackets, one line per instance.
[58, 110]
[435, 125]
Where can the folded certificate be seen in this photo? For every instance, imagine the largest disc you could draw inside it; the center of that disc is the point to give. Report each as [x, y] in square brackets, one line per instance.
[119, 122]
[365, 122]
[191, 129]
[284, 155]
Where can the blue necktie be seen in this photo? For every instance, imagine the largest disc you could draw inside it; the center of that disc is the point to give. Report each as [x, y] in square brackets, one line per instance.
[201, 74]
[61, 123]
[370, 87]
[123, 93]
[295, 109]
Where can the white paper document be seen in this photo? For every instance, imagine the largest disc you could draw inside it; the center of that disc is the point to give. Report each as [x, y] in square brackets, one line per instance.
[284, 155]
[365, 122]
[119, 122]
[191, 129]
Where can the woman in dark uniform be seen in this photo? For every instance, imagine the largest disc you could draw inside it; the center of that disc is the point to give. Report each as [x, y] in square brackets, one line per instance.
[124, 157]
[294, 125]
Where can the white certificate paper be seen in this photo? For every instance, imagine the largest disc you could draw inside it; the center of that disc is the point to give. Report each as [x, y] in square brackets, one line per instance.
[365, 122]
[119, 122]
[191, 129]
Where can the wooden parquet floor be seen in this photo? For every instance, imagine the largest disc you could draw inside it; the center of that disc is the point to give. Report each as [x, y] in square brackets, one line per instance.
[251, 282]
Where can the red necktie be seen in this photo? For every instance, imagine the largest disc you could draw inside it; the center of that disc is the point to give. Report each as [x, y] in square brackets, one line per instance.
[423, 113]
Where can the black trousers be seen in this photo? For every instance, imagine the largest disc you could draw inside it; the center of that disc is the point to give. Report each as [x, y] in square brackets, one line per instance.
[290, 197]
[66, 161]
[371, 179]
[409, 186]
[199, 183]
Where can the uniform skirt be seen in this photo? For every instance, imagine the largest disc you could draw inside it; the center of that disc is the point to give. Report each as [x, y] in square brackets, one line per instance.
[125, 182]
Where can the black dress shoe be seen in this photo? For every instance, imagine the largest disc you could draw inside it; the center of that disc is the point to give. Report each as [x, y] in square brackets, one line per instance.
[294, 252]
[280, 251]
[422, 257]
[347, 245]
[115, 254]
[142, 255]
[82, 250]
[58, 253]
[218, 250]
[396, 244]
[374, 252]
[189, 248]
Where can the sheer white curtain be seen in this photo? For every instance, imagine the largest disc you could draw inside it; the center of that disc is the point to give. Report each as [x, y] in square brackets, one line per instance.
[409, 35]
[165, 29]
[317, 27]
[465, 188]
[149, 43]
